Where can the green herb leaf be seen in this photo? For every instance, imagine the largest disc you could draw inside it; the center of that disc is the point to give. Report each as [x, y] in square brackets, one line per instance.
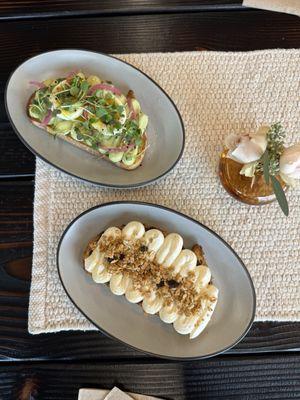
[101, 112]
[74, 90]
[84, 86]
[280, 195]
[266, 166]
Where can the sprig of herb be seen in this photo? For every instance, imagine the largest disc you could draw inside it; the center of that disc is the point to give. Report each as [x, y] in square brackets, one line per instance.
[269, 163]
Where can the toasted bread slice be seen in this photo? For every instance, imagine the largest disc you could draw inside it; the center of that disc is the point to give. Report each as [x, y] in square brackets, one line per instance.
[89, 149]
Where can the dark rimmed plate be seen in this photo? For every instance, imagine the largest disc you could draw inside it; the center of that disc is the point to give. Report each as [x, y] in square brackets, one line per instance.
[165, 131]
[126, 322]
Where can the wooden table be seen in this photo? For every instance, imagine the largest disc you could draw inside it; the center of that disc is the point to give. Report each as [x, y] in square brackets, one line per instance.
[265, 365]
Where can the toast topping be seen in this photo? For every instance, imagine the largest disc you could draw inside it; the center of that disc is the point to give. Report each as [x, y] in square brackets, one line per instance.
[94, 113]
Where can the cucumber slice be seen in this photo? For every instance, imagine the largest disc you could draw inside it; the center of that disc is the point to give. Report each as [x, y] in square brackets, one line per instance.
[116, 157]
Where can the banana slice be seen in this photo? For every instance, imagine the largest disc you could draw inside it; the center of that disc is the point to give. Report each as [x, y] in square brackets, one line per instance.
[202, 277]
[169, 250]
[153, 240]
[152, 303]
[185, 325]
[185, 262]
[205, 316]
[168, 314]
[133, 295]
[118, 284]
[134, 230]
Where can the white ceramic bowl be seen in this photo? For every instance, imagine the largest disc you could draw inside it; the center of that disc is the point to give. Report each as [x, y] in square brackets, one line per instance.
[165, 130]
[124, 321]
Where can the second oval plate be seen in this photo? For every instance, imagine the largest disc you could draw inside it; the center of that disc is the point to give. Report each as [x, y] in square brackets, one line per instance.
[165, 130]
[124, 321]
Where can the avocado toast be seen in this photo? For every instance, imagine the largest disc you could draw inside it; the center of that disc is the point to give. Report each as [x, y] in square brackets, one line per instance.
[93, 115]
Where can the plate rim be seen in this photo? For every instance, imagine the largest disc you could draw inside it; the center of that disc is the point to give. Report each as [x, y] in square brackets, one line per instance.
[101, 184]
[174, 358]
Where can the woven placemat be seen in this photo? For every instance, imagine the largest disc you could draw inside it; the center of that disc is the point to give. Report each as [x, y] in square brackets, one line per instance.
[216, 93]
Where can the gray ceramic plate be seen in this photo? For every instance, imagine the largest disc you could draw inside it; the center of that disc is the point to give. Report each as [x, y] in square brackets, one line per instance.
[124, 321]
[165, 131]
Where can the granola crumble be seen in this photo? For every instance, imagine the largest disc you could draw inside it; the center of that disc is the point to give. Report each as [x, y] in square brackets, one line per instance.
[133, 259]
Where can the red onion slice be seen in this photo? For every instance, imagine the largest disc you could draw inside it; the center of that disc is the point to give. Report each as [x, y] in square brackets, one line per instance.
[47, 118]
[103, 86]
[72, 74]
[40, 85]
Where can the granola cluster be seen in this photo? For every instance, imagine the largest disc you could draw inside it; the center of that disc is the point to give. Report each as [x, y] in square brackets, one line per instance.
[133, 259]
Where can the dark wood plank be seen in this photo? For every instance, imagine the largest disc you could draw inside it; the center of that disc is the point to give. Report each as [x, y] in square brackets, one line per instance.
[271, 377]
[143, 33]
[18, 9]
[16, 159]
[15, 269]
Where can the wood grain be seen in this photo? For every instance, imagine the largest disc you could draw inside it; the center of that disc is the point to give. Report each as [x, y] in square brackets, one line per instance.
[16, 159]
[148, 33]
[16, 343]
[271, 377]
[56, 8]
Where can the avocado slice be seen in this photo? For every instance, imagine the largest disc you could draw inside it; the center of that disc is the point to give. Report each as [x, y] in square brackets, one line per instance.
[116, 157]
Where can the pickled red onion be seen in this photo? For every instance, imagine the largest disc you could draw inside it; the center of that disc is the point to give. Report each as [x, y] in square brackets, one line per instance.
[103, 86]
[72, 73]
[47, 118]
[40, 85]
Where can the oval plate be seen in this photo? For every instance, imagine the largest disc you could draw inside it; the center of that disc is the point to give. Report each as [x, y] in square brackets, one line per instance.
[165, 130]
[124, 321]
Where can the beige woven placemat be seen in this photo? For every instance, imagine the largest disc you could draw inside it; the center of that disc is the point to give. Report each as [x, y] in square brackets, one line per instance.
[216, 93]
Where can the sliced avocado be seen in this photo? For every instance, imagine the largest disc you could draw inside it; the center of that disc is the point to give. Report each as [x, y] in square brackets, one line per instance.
[99, 125]
[102, 151]
[130, 156]
[63, 127]
[136, 106]
[143, 122]
[111, 141]
[34, 112]
[93, 80]
[116, 157]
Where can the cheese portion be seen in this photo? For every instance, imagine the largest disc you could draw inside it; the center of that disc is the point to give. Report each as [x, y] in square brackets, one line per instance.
[133, 231]
[152, 303]
[202, 277]
[133, 295]
[153, 239]
[92, 260]
[169, 250]
[185, 262]
[207, 312]
[168, 314]
[100, 273]
[118, 284]
[184, 324]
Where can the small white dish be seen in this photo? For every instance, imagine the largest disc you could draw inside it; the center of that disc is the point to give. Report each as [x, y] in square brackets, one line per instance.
[165, 131]
[126, 322]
